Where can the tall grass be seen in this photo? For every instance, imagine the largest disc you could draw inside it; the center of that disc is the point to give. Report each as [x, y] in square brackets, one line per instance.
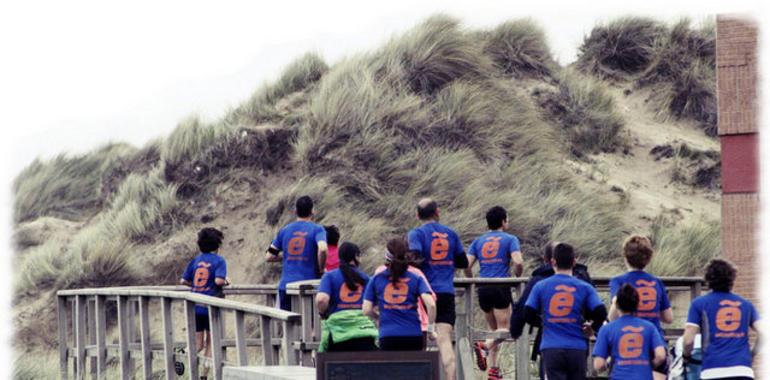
[519, 48]
[678, 246]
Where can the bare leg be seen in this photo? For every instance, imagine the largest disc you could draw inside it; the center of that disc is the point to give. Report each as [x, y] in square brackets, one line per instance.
[489, 343]
[502, 318]
[445, 349]
[207, 352]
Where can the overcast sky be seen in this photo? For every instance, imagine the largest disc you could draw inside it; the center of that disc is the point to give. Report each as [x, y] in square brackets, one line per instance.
[77, 74]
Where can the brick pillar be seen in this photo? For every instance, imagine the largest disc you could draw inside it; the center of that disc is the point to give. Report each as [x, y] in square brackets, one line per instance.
[737, 121]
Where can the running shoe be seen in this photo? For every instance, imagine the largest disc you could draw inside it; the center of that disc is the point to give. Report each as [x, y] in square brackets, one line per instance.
[494, 374]
[481, 355]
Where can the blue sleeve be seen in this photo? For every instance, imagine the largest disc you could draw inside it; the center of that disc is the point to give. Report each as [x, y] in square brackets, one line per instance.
[326, 284]
[592, 301]
[278, 241]
[369, 292]
[414, 241]
[754, 315]
[320, 234]
[221, 270]
[614, 287]
[694, 313]
[533, 300]
[422, 286]
[472, 249]
[657, 339]
[515, 246]
[602, 345]
[365, 277]
[459, 248]
[188, 272]
[664, 302]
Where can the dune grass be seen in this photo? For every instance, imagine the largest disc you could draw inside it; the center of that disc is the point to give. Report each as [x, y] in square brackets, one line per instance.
[678, 247]
[519, 48]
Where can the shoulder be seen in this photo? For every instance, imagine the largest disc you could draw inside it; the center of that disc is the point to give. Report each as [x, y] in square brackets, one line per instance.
[618, 279]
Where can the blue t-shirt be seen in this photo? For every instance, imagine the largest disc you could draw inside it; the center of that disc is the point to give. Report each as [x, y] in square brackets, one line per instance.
[562, 301]
[340, 296]
[653, 297]
[201, 272]
[631, 342]
[438, 245]
[493, 251]
[724, 320]
[299, 243]
[397, 304]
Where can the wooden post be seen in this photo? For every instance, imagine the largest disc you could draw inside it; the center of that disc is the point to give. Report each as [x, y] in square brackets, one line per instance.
[80, 336]
[290, 332]
[240, 338]
[168, 339]
[125, 370]
[101, 336]
[267, 341]
[522, 346]
[132, 333]
[61, 311]
[192, 348]
[91, 334]
[215, 318]
[144, 327]
[306, 310]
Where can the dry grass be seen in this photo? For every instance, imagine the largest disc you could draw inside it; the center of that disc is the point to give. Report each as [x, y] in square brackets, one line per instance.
[519, 48]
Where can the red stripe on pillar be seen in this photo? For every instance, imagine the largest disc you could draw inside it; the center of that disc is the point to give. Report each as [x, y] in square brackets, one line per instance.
[740, 163]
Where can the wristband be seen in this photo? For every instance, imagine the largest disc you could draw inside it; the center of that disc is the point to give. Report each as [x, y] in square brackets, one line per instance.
[273, 251]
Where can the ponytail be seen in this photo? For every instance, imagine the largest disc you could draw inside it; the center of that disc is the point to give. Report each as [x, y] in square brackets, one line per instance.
[349, 252]
[399, 262]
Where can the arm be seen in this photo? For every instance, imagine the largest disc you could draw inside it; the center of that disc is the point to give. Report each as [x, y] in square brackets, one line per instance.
[273, 254]
[660, 356]
[667, 316]
[368, 310]
[221, 281]
[531, 316]
[469, 270]
[756, 349]
[322, 302]
[461, 261]
[323, 250]
[598, 316]
[614, 313]
[689, 339]
[600, 364]
[518, 263]
[184, 282]
[430, 307]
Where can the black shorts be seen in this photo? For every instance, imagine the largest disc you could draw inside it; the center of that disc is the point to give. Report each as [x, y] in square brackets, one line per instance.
[445, 308]
[284, 300]
[402, 343]
[355, 344]
[564, 364]
[201, 322]
[498, 297]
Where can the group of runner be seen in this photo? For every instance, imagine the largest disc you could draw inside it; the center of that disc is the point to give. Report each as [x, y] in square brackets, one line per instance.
[410, 299]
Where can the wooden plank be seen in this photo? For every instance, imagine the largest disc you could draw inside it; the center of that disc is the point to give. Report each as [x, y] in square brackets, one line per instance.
[144, 328]
[306, 311]
[91, 333]
[80, 336]
[240, 338]
[290, 334]
[215, 318]
[267, 334]
[61, 311]
[125, 368]
[101, 335]
[192, 347]
[168, 338]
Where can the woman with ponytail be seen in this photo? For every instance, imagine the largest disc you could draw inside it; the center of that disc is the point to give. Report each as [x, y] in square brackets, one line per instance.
[397, 291]
[339, 300]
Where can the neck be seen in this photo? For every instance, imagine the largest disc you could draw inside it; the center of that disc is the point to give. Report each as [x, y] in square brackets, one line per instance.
[304, 219]
[567, 272]
[624, 314]
[497, 230]
[426, 221]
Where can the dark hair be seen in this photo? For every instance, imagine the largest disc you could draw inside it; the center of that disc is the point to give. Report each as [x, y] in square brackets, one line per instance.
[304, 206]
[349, 252]
[400, 263]
[209, 239]
[627, 298]
[332, 234]
[428, 210]
[720, 275]
[495, 217]
[564, 255]
[638, 251]
[548, 250]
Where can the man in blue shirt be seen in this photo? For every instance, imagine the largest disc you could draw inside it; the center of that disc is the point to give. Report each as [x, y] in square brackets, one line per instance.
[304, 248]
[206, 274]
[563, 300]
[441, 251]
[495, 251]
[723, 319]
[634, 344]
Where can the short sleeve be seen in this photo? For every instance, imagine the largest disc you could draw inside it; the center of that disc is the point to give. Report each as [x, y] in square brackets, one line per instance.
[533, 300]
[320, 234]
[602, 345]
[694, 314]
[422, 286]
[188, 272]
[614, 287]
[278, 241]
[459, 249]
[472, 250]
[657, 339]
[593, 301]
[515, 246]
[326, 284]
[370, 293]
[414, 241]
[221, 270]
[754, 315]
[664, 302]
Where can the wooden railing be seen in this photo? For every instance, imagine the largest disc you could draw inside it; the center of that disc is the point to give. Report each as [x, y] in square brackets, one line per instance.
[84, 335]
[296, 334]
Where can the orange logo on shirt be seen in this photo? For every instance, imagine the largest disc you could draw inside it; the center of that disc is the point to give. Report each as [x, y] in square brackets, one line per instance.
[396, 294]
[562, 301]
[631, 343]
[297, 243]
[490, 247]
[350, 296]
[439, 246]
[729, 315]
[648, 295]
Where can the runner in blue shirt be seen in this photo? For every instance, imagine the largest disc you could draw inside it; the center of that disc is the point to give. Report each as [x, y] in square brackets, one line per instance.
[206, 274]
[634, 344]
[395, 292]
[723, 319]
[654, 305]
[495, 251]
[304, 248]
[563, 300]
[441, 251]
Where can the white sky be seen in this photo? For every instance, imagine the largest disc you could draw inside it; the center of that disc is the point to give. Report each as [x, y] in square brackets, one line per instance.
[76, 74]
